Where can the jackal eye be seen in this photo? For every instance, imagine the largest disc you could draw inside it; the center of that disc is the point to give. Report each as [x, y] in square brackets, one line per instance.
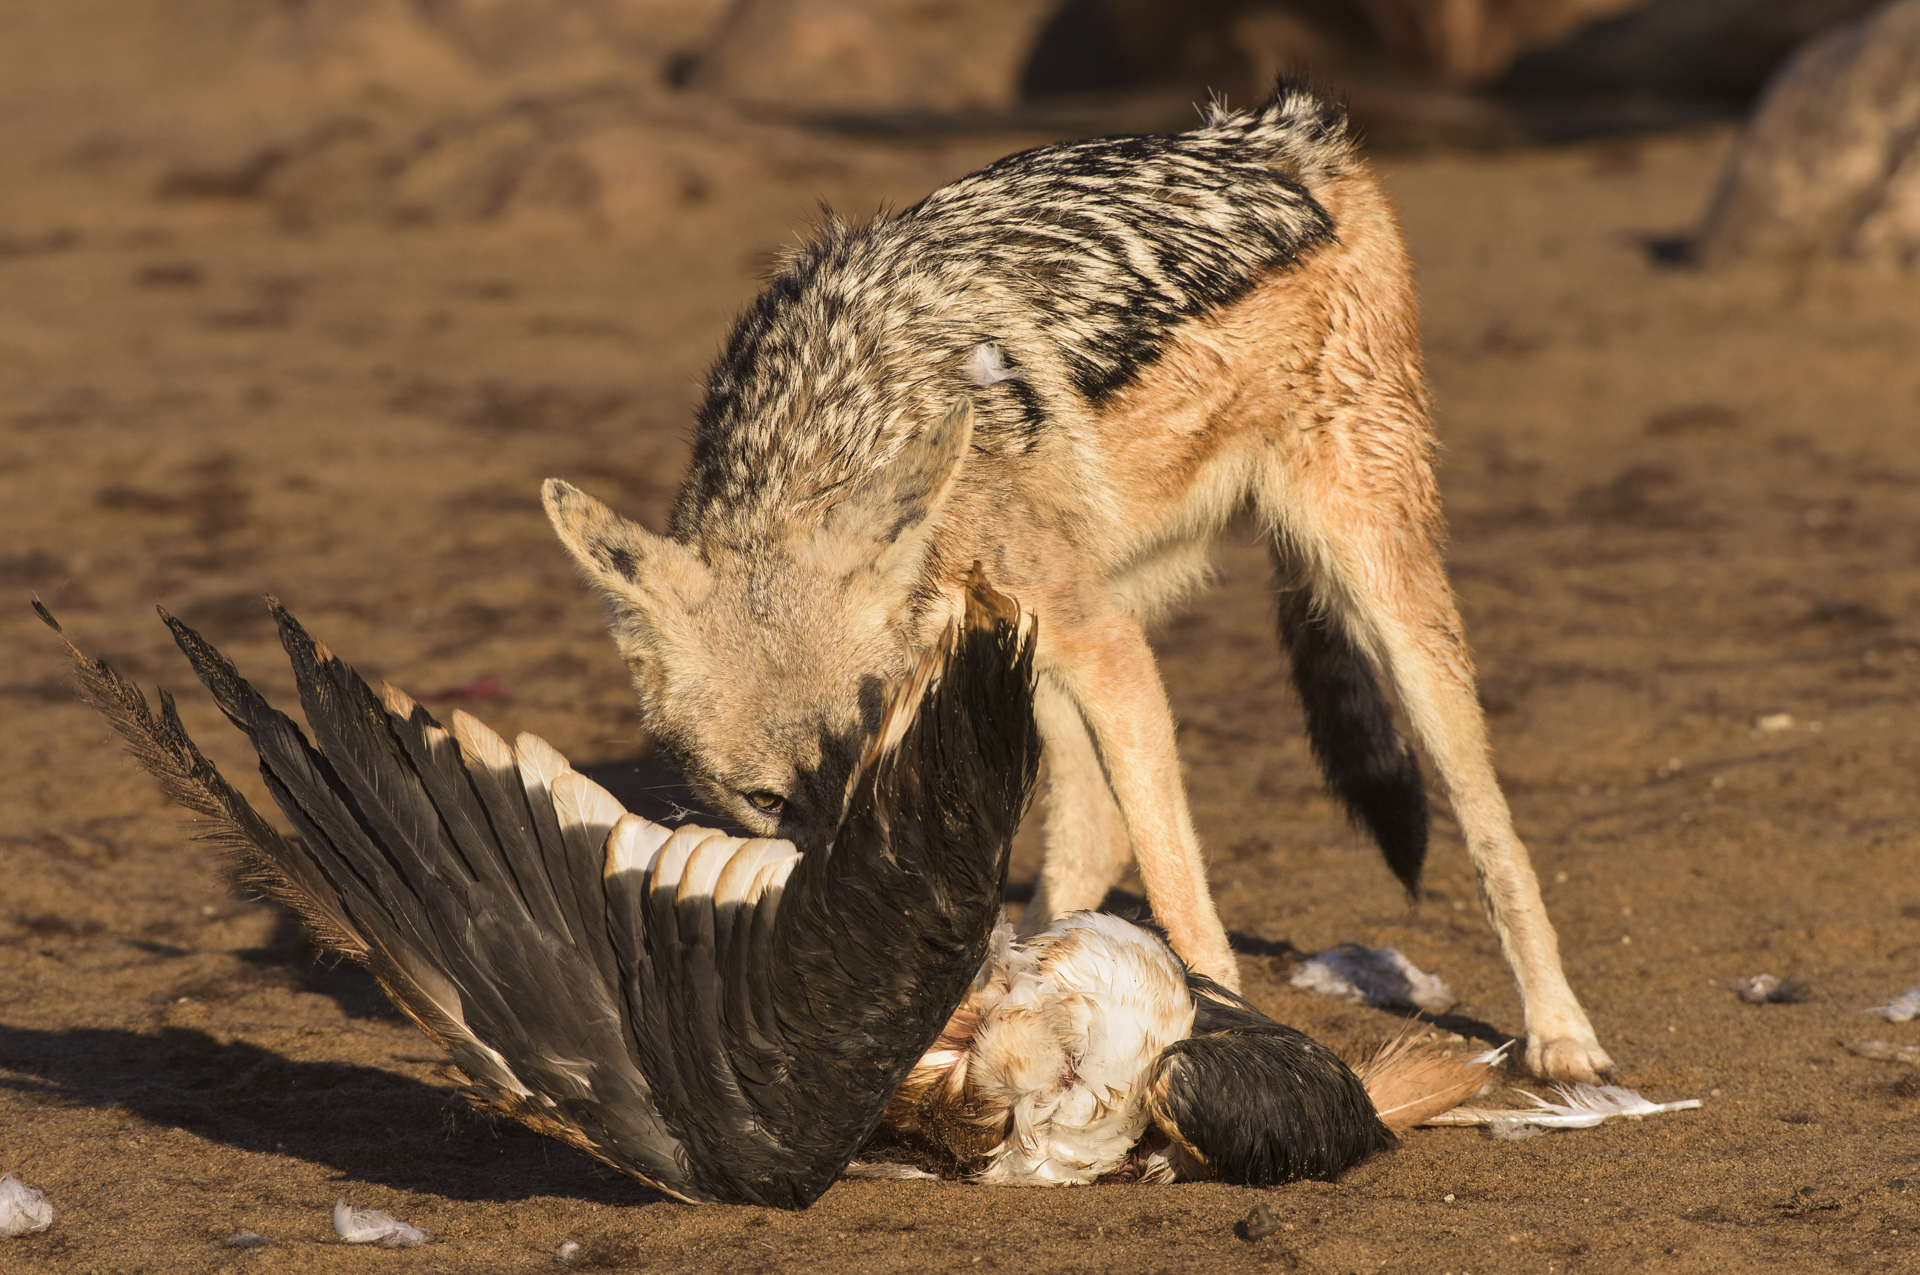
[771, 802]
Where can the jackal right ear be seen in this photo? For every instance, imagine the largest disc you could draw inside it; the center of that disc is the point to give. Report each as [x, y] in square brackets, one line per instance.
[646, 577]
[885, 522]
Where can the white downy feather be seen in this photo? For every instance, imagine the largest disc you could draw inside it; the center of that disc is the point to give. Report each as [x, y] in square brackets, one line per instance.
[24, 1210]
[987, 365]
[1581, 1106]
[1902, 1008]
[1382, 977]
[371, 1226]
[1767, 989]
[1089, 1006]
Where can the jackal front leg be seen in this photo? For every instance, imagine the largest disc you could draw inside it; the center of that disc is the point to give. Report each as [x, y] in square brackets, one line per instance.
[1086, 839]
[1106, 666]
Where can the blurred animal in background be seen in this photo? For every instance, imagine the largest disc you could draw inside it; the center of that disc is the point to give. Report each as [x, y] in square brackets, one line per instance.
[1077, 366]
[730, 1019]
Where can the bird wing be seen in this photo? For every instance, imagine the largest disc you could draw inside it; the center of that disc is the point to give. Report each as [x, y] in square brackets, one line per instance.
[723, 1018]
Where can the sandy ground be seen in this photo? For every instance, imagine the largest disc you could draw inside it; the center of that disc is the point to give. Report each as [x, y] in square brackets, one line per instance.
[1680, 504]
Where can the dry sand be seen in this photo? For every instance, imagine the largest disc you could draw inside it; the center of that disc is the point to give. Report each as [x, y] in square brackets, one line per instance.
[1680, 504]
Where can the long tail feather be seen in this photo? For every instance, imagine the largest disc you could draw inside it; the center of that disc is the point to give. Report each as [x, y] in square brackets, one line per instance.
[1581, 1106]
[1411, 1081]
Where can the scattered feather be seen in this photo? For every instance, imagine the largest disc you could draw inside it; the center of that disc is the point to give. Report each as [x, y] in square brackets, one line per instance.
[1902, 1008]
[24, 1210]
[1156, 1168]
[567, 1251]
[1884, 1051]
[1377, 976]
[1762, 989]
[1581, 1106]
[246, 1239]
[1513, 1130]
[884, 1171]
[371, 1226]
[987, 365]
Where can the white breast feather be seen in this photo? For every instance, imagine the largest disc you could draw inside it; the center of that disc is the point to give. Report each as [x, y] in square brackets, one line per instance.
[1090, 1005]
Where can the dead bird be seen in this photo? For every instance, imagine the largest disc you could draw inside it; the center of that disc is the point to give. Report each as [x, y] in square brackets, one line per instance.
[1090, 1052]
[730, 1019]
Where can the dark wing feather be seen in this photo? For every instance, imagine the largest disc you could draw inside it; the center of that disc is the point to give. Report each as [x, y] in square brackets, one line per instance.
[871, 944]
[721, 1018]
[254, 847]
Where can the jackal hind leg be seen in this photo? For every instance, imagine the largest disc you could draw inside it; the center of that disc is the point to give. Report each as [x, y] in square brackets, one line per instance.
[1365, 570]
[1086, 838]
[1106, 668]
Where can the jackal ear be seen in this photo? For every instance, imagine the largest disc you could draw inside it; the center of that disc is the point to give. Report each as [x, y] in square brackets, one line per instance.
[645, 577]
[885, 523]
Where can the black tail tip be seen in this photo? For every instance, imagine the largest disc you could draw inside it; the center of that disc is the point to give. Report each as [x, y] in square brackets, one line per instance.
[1403, 844]
[46, 617]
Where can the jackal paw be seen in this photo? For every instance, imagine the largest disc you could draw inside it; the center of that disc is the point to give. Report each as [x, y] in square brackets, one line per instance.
[1568, 1059]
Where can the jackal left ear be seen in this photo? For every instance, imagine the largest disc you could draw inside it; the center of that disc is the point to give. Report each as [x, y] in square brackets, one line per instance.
[647, 577]
[885, 523]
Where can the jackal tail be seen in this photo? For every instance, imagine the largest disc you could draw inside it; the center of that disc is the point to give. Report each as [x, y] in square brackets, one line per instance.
[1368, 763]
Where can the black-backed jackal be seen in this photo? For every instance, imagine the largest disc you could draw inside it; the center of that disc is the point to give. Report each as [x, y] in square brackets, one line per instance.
[1076, 366]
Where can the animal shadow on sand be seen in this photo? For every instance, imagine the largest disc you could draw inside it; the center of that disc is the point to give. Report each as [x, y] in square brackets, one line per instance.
[363, 1122]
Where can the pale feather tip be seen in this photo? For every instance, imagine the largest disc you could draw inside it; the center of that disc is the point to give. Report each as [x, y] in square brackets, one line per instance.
[1381, 977]
[1581, 1106]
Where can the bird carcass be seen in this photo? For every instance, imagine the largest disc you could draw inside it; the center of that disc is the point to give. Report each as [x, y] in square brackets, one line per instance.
[731, 1019]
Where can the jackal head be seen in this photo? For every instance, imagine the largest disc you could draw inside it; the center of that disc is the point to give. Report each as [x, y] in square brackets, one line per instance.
[763, 646]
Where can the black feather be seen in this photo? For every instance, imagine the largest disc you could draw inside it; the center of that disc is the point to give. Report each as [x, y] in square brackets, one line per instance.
[1258, 1102]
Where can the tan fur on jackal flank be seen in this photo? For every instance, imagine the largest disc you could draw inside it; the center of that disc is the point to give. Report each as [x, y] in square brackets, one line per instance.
[763, 632]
